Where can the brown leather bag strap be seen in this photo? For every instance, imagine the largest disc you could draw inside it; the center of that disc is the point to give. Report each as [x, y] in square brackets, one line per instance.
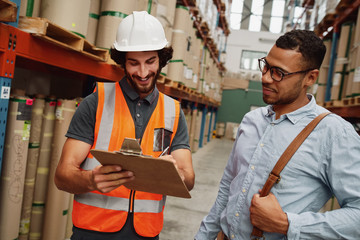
[274, 176]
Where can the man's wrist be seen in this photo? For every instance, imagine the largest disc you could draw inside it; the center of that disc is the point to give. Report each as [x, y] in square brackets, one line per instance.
[285, 224]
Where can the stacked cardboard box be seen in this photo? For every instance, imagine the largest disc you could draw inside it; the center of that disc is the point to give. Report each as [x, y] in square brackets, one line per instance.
[340, 76]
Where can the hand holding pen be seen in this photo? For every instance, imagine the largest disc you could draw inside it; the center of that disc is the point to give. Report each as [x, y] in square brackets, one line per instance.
[165, 151]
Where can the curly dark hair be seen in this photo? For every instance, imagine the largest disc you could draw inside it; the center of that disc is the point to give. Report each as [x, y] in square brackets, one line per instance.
[307, 43]
[165, 55]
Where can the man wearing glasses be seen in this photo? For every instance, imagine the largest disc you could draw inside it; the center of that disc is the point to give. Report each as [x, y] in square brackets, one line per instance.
[326, 164]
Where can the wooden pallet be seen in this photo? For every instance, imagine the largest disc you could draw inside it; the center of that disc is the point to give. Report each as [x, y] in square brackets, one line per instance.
[334, 103]
[357, 101]
[94, 52]
[174, 84]
[53, 33]
[187, 89]
[8, 11]
[348, 101]
[351, 101]
[161, 79]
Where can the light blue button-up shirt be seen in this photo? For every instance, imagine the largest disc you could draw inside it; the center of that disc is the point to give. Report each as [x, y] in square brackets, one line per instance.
[326, 164]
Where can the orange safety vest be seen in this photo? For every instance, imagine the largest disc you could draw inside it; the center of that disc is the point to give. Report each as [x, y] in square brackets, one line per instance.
[107, 212]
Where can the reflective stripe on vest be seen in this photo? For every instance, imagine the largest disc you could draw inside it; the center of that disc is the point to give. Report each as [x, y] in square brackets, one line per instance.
[106, 123]
[108, 212]
[122, 204]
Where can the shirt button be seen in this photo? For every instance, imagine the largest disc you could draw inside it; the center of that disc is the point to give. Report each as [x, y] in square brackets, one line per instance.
[261, 145]
[243, 190]
[236, 214]
[252, 167]
[272, 124]
[139, 104]
[232, 236]
[138, 115]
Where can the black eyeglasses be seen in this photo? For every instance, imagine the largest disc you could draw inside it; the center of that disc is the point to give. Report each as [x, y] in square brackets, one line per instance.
[276, 73]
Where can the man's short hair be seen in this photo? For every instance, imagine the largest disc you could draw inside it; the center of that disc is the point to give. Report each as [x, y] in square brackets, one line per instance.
[307, 43]
[165, 55]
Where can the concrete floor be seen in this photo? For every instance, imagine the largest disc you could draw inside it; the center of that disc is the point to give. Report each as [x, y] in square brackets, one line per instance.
[183, 216]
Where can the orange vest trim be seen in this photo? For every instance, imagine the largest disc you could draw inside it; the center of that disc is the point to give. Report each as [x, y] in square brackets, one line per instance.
[108, 212]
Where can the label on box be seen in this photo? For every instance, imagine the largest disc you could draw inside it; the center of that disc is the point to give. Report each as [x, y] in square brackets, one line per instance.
[207, 87]
[26, 131]
[5, 92]
[59, 113]
[189, 73]
[195, 78]
[24, 111]
[357, 75]
[337, 79]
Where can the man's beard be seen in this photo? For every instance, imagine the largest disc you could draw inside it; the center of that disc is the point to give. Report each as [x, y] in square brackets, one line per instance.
[142, 89]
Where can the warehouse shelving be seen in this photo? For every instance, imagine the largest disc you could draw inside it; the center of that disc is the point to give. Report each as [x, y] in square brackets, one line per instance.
[329, 27]
[27, 47]
[351, 113]
[8, 11]
[203, 30]
[26, 50]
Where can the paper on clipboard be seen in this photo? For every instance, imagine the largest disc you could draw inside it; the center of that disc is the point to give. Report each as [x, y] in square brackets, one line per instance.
[151, 174]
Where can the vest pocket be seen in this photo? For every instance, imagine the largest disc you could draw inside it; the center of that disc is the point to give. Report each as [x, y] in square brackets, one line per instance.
[162, 138]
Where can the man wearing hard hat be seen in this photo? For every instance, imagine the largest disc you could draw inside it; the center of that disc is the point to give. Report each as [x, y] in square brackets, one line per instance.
[132, 108]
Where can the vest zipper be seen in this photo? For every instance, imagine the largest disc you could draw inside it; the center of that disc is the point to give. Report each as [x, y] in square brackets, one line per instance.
[132, 201]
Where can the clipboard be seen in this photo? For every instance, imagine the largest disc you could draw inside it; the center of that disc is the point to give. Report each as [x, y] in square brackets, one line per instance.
[152, 175]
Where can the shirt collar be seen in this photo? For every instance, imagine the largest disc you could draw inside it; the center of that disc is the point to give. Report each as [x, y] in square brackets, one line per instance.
[296, 115]
[133, 95]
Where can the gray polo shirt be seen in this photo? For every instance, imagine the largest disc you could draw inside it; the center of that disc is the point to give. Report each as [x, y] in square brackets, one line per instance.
[83, 123]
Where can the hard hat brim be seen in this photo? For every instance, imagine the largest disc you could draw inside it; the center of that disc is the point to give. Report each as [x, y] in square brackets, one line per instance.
[141, 48]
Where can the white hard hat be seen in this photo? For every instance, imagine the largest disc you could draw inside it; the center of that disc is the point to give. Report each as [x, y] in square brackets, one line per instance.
[140, 31]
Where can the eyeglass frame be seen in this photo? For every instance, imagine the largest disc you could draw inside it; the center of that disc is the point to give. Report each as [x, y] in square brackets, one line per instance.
[283, 74]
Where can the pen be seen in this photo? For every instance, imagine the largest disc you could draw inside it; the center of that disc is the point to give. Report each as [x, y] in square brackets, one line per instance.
[165, 150]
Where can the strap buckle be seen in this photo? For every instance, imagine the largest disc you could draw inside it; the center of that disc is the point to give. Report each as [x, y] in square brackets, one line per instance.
[278, 179]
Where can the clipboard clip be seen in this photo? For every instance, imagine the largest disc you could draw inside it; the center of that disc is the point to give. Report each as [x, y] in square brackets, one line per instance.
[130, 146]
